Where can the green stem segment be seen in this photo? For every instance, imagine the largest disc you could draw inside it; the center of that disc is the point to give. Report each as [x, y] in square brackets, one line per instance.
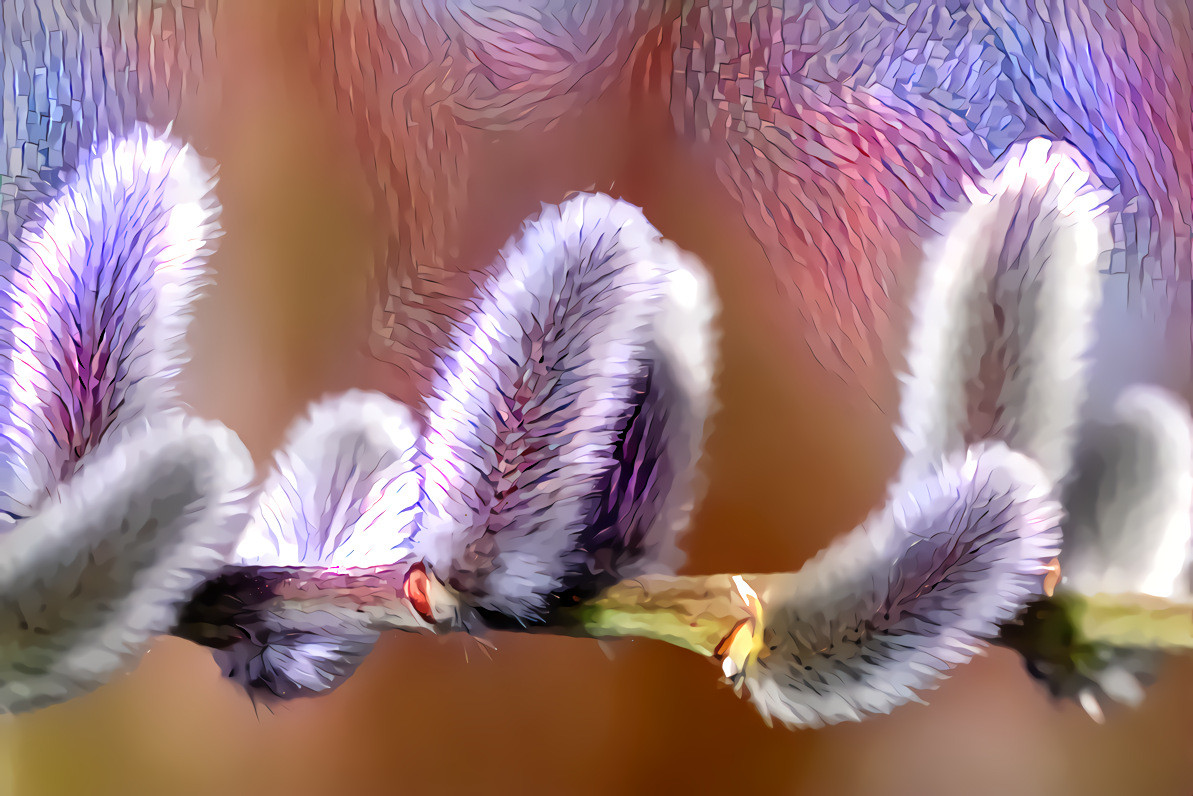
[720, 617]
[716, 616]
[1069, 633]
[1131, 620]
[696, 613]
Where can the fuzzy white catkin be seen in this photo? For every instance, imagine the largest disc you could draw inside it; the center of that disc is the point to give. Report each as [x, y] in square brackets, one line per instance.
[87, 582]
[887, 610]
[106, 276]
[343, 494]
[116, 505]
[1131, 504]
[343, 491]
[568, 411]
[1004, 313]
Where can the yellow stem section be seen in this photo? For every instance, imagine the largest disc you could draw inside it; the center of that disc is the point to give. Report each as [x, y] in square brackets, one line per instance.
[1132, 620]
[701, 614]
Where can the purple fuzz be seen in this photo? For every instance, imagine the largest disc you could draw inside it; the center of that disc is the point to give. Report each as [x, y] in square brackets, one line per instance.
[114, 505]
[558, 455]
[886, 611]
[568, 413]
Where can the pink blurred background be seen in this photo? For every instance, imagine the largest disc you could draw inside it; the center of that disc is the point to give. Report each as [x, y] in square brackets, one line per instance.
[797, 456]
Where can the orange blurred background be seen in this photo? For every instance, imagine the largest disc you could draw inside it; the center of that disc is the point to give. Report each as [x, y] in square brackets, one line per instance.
[796, 457]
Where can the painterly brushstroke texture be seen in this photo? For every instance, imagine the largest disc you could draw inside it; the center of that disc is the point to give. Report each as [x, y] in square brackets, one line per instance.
[886, 611]
[343, 491]
[999, 347]
[568, 412]
[425, 83]
[343, 494]
[75, 72]
[847, 130]
[116, 505]
[96, 308]
[558, 454]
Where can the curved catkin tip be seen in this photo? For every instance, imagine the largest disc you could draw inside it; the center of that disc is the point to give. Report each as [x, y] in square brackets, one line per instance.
[1131, 500]
[343, 494]
[106, 277]
[567, 412]
[1003, 316]
[107, 565]
[343, 491]
[887, 611]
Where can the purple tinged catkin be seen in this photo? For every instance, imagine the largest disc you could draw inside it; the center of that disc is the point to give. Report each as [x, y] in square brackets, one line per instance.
[1129, 531]
[103, 568]
[559, 455]
[94, 314]
[972, 525]
[886, 611]
[343, 491]
[343, 494]
[1004, 313]
[115, 505]
[1005, 323]
[996, 355]
[568, 412]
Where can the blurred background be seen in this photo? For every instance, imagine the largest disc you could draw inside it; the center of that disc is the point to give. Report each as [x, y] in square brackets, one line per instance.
[797, 456]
